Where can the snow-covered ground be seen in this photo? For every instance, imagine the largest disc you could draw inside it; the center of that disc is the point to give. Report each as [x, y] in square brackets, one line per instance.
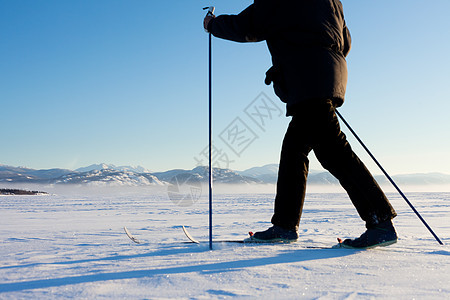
[72, 245]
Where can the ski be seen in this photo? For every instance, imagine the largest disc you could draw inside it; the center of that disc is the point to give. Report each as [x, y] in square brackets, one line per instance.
[190, 236]
[131, 236]
[252, 239]
[340, 244]
[193, 240]
[246, 241]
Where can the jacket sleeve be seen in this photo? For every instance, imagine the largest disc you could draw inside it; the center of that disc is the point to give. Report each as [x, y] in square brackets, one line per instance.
[248, 26]
[347, 40]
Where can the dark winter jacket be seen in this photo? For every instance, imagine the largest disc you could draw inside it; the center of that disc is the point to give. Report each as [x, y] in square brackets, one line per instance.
[308, 41]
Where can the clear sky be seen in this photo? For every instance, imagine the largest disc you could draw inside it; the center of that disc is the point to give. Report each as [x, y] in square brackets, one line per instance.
[125, 82]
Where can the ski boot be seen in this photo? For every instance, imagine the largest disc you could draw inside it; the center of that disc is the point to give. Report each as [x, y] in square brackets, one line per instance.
[379, 235]
[274, 234]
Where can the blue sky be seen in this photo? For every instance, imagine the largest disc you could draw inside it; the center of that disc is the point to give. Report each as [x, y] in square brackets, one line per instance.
[125, 82]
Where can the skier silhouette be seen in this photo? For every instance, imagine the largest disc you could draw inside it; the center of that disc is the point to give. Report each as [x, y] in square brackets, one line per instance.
[308, 42]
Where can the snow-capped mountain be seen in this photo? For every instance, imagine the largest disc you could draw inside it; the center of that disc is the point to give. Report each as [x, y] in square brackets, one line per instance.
[260, 171]
[109, 177]
[266, 174]
[108, 174]
[269, 174]
[22, 174]
[202, 174]
[103, 166]
[100, 174]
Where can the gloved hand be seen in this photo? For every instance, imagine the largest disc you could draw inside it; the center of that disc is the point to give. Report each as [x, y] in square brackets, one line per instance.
[206, 21]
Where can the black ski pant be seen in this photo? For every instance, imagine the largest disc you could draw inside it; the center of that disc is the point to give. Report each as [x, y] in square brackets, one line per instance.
[314, 126]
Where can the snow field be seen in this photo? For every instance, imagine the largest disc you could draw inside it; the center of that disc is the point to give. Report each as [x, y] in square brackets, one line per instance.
[72, 245]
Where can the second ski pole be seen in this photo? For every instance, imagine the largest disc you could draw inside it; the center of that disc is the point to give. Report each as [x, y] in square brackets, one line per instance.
[210, 169]
[390, 179]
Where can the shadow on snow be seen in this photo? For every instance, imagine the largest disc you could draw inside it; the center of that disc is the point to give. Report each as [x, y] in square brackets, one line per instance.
[291, 256]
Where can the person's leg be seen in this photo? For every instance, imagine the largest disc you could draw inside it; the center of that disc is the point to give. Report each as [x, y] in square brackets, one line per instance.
[335, 154]
[292, 175]
[291, 185]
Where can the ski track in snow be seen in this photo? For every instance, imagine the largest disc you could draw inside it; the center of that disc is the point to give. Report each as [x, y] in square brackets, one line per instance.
[73, 246]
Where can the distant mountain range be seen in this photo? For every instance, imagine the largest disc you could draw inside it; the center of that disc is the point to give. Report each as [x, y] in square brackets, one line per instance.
[107, 174]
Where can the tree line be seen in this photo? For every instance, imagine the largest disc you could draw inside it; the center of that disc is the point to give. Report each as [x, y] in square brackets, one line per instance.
[19, 192]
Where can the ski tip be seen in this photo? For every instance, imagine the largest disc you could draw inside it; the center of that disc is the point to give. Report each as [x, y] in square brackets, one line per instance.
[189, 236]
[134, 239]
[338, 245]
[250, 239]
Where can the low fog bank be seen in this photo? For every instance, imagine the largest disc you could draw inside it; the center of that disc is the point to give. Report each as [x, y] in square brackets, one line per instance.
[323, 188]
[203, 190]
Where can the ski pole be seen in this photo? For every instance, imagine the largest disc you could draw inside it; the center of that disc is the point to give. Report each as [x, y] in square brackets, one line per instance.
[389, 178]
[210, 13]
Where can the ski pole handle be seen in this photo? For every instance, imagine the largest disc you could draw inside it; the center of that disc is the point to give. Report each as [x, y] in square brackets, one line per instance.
[210, 9]
[209, 16]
